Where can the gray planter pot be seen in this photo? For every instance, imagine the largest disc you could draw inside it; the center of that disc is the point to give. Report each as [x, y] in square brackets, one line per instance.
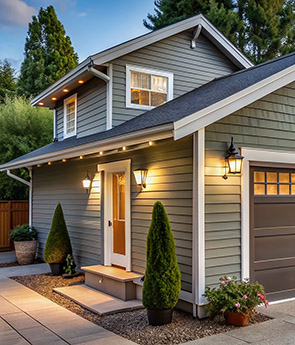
[25, 251]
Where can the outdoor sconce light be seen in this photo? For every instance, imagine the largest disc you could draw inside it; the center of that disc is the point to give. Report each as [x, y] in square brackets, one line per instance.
[233, 160]
[86, 182]
[140, 177]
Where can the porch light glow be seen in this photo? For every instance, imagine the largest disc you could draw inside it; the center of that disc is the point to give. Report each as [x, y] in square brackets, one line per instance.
[150, 143]
[86, 182]
[80, 81]
[49, 163]
[124, 148]
[64, 160]
[65, 90]
[101, 153]
[81, 157]
[41, 103]
[140, 177]
[233, 160]
[53, 98]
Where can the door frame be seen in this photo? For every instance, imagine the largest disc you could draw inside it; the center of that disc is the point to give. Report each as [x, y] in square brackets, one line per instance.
[258, 157]
[109, 169]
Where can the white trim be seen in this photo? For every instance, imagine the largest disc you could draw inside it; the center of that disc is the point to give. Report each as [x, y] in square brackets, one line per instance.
[168, 75]
[109, 87]
[257, 155]
[186, 296]
[199, 218]
[74, 96]
[132, 138]
[229, 105]
[54, 123]
[109, 168]
[282, 301]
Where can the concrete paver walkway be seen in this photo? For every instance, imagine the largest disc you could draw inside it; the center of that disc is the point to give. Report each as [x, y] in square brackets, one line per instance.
[24, 270]
[6, 257]
[29, 318]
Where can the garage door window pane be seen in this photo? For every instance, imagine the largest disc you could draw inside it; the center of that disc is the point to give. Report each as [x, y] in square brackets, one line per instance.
[272, 189]
[259, 176]
[284, 189]
[259, 189]
[293, 178]
[293, 189]
[272, 177]
[284, 177]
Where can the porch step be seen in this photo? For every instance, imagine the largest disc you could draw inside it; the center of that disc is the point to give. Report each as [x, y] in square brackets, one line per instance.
[97, 302]
[112, 280]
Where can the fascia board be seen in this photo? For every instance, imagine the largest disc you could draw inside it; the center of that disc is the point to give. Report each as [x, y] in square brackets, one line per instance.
[229, 105]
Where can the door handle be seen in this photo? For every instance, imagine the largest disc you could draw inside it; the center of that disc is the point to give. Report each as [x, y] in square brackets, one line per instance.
[110, 223]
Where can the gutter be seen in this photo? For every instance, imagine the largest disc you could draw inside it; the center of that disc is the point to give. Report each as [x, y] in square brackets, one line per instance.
[27, 183]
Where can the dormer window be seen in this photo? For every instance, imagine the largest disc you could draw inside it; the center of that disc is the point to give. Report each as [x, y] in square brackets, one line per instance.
[70, 116]
[147, 88]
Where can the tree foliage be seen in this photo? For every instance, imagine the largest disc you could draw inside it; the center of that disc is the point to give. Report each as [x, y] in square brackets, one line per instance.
[22, 130]
[7, 80]
[162, 284]
[58, 243]
[261, 29]
[49, 54]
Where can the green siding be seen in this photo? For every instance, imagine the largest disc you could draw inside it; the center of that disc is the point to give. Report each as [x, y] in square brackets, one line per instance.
[191, 68]
[169, 180]
[268, 123]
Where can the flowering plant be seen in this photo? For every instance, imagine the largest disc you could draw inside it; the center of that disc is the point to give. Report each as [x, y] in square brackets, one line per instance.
[234, 296]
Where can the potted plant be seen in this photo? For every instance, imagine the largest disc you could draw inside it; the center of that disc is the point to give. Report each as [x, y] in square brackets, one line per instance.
[25, 243]
[162, 284]
[58, 244]
[235, 300]
[70, 268]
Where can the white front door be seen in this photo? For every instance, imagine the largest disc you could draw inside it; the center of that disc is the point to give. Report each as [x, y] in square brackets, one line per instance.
[117, 237]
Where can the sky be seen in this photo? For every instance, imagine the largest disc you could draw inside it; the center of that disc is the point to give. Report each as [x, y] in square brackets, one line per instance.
[93, 25]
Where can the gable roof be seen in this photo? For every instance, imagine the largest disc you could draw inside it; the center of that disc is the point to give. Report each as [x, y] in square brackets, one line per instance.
[214, 35]
[185, 114]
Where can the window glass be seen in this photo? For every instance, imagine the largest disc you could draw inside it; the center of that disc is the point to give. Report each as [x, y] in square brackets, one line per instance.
[259, 189]
[275, 183]
[284, 177]
[284, 189]
[272, 177]
[70, 117]
[272, 189]
[159, 83]
[293, 189]
[259, 176]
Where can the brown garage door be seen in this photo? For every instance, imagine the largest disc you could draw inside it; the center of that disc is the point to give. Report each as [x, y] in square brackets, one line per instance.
[273, 230]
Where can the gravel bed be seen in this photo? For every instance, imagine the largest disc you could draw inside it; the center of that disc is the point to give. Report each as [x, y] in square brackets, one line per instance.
[133, 325]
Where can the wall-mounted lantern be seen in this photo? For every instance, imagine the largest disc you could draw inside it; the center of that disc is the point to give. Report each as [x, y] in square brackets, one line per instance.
[233, 160]
[86, 183]
[140, 177]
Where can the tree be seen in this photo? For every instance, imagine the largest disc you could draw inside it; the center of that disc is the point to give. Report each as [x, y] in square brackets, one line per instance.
[49, 54]
[58, 243]
[22, 130]
[267, 31]
[162, 283]
[7, 80]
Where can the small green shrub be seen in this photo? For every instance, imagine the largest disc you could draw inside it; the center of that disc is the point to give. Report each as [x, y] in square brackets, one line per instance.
[23, 233]
[58, 244]
[162, 283]
[234, 296]
[70, 265]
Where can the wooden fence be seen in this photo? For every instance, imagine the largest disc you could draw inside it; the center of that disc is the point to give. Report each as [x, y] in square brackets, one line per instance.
[12, 213]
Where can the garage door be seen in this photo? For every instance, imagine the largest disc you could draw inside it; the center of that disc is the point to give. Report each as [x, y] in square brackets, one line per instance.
[273, 231]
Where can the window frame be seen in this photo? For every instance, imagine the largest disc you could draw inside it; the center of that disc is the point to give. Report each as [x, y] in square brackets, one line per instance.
[150, 71]
[66, 100]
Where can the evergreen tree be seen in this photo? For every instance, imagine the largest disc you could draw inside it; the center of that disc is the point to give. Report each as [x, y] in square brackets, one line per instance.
[49, 54]
[7, 80]
[267, 30]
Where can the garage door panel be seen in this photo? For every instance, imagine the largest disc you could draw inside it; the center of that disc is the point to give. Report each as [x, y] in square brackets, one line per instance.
[276, 280]
[274, 247]
[274, 215]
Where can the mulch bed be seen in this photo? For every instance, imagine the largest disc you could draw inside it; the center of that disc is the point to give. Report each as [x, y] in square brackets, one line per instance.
[133, 325]
[12, 264]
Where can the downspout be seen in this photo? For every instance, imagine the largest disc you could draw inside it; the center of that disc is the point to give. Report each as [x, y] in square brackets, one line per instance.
[27, 183]
[109, 90]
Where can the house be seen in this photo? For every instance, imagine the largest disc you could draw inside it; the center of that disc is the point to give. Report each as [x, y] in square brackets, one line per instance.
[166, 104]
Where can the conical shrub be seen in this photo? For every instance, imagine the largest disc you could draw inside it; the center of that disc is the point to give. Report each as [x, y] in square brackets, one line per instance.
[58, 243]
[162, 283]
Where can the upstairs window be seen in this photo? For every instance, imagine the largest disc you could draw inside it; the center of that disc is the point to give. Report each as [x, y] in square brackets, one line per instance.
[70, 116]
[147, 88]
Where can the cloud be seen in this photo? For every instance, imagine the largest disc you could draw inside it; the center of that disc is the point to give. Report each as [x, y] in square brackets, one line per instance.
[82, 14]
[15, 13]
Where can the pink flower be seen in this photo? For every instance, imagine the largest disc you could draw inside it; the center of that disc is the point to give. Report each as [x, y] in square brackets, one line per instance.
[237, 305]
[261, 296]
[245, 296]
[223, 282]
[266, 302]
[222, 310]
[228, 278]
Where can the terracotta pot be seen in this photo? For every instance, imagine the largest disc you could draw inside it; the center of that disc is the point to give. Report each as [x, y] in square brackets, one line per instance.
[159, 317]
[236, 319]
[25, 251]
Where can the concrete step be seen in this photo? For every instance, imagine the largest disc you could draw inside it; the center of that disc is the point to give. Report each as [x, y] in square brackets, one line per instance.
[138, 288]
[96, 301]
[111, 280]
